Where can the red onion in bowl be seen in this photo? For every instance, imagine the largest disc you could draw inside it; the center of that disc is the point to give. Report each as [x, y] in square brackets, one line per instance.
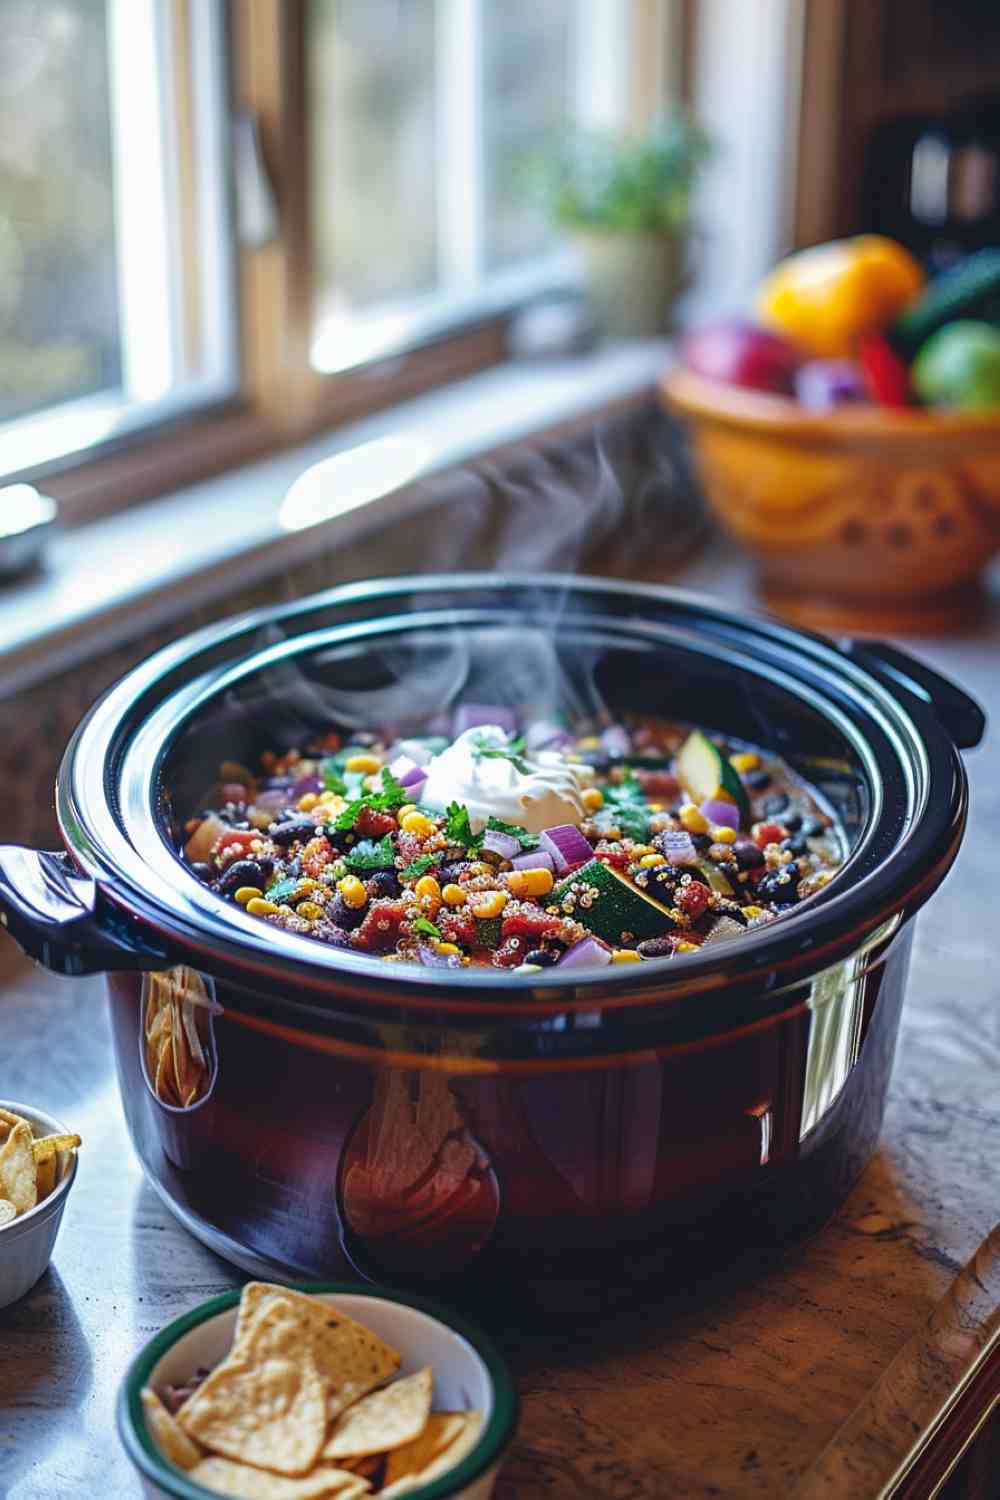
[498, 842]
[407, 772]
[588, 950]
[306, 784]
[678, 847]
[723, 814]
[567, 846]
[617, 741]
[533, 859]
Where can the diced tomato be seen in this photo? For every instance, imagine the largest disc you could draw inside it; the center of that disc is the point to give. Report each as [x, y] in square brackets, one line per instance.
[886, 376]
[510, 953]
[620, 859]
[382, 927]
[457, 927]
[533, 924]
[374, 825]
[768, 833]
[316, 855]
[409, 847]
[235, 843]
[693, 899]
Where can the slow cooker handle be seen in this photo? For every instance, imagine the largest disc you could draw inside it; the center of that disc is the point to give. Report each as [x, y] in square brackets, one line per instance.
[959, 714]
[58, 917]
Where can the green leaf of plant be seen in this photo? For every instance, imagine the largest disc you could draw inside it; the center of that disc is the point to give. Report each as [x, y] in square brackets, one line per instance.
[418, 867]
[423, 926]
[369, 855]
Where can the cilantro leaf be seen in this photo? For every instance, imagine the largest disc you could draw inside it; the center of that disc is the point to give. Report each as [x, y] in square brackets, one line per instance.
[418, 867]
[457, 828]
[512, 751]
[281, 888]
[332, 780]
[625, 808]
[424, 927]
[369, 855]
[526, 840]
[390, 794]
[349, 816]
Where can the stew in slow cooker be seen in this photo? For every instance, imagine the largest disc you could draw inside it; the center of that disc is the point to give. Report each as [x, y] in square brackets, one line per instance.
[516, 850]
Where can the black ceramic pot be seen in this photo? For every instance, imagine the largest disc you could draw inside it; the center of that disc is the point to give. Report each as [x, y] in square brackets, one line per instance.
[468, 1124]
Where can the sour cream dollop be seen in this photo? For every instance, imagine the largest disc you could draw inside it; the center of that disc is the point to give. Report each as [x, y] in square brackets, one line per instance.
[541, 791]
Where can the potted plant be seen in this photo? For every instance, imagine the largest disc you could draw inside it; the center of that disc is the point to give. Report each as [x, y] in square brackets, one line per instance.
[626, 201]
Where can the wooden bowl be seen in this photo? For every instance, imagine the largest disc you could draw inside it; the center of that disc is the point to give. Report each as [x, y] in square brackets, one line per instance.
[863, 519]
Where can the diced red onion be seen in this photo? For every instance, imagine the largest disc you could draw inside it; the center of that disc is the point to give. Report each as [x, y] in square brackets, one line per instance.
[617, 741]
[724, 814]
[534, 859]
[435, 960]
[471, 715]
[306, 784]
[498, 842]
[588, 950]
[546, 735]
[567, 846]
[678, 847]
[416, 751]
[406, 771]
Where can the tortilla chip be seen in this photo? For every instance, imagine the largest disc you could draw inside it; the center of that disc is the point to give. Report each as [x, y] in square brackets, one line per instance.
[8, 1213]
[45, 1175]
[164, 1082]
[444, 1442]
[227, 1478]
[48, 1145]
[266, 1403]
[17, 1169]
[172, 1441]
[385, 1419]
[350, 1359]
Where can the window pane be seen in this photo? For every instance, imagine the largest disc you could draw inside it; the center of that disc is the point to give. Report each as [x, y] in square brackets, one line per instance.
[116, 275]
[372, 71]
[528, 99]
[58, 287]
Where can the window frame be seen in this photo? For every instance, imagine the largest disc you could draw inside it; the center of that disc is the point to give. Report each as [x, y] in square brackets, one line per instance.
[281, 399]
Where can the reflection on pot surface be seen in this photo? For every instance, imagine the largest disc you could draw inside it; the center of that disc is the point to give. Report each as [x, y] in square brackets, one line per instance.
[177, 1051]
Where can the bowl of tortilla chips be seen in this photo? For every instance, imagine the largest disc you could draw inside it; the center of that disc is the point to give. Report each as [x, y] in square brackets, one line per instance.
[37, 1168]
[326, 1392]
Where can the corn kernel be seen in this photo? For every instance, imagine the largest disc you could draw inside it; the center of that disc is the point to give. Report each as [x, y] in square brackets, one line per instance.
[364, 765]
[530, 882]
[593, 799]
[692, 819]
[405, 810]
[685, 947]
[650, 861]
[304, 886]
[247, 893]
[479, 867]
[490, 904]
[723, 834]
[638, 849]
[415, 822]
[453, 895]
[352, 890]
[258, 907]
[428, 893]
[445, 948]
[753, 911]
[307, 802]
[746, 760]
[626, 956]
[310, 910]
[589, 742]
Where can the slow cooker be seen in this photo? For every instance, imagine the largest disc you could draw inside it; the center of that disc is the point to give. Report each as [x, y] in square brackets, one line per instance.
[471, 1125]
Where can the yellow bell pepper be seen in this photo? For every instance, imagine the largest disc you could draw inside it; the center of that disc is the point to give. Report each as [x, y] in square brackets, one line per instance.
[826, 298]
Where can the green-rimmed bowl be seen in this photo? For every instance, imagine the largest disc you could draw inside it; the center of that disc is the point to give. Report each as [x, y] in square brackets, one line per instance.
[468, 1373]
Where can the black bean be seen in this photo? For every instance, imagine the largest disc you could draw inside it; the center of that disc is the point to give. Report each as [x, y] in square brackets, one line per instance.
[384, 883]
[203, 871]
[329, 932]
[340, 914]
[792, 821]
[450, 872]
[543, 957]
[245, 872]
[779, 887]
[701, 841]
[758, 780]
[296, 828]
[796, 845]
[655, 947]
[772, 807]
[663, 883]
[748, 856]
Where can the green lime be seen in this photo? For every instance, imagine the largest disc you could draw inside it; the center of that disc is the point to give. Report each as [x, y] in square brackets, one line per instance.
[959, 366]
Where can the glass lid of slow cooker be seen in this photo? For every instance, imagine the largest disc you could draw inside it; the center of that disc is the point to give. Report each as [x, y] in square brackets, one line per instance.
[400, 656]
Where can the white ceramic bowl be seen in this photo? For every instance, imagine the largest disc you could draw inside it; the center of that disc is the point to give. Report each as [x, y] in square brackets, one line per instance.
[468, 1373]
[26, 1243]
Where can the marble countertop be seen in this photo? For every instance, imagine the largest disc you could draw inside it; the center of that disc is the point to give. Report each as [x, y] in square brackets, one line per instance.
[729, 1388]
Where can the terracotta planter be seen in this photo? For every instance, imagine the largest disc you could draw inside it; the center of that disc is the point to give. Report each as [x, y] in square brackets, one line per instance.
[862, 519]
[631, 279]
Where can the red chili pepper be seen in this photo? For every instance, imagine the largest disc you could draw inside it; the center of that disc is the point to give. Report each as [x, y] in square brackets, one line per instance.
[693, 899]
[886, 376]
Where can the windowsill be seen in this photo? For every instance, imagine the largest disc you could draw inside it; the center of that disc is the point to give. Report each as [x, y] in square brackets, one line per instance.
[107, 582]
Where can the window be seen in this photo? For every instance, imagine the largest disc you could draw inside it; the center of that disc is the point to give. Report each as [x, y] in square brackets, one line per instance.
[116, 286]
[424, 115]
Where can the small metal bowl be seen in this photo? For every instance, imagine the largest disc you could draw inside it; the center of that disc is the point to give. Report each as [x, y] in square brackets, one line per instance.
[26, 1243]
